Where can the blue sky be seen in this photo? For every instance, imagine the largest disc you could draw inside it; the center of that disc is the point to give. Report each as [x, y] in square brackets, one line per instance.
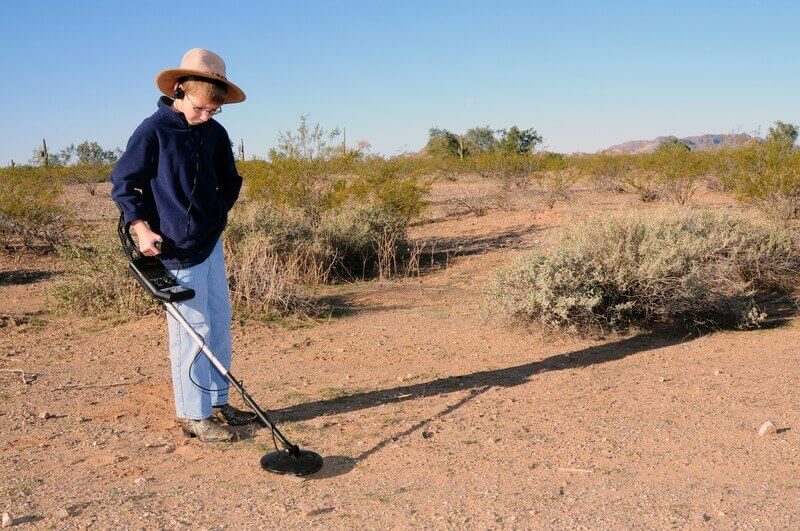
[586, 75]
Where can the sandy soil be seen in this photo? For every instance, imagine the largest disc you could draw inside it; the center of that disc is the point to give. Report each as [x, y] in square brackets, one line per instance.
[428, 411]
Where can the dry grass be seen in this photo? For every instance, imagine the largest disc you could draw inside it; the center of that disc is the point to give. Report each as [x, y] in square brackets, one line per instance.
[97, 282]
[265, 284]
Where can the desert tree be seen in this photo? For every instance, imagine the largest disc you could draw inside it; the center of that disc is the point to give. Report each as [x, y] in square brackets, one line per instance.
[307, 142]
[519, 141]
[783, 134]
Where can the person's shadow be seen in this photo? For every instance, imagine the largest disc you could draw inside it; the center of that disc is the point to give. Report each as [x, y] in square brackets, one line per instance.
[476, 383]
[482, 380]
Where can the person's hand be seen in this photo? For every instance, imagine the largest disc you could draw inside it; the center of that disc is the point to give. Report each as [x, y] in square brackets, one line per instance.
[147, 238]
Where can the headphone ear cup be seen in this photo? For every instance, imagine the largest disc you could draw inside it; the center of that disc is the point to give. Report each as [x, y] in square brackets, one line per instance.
[178, 93]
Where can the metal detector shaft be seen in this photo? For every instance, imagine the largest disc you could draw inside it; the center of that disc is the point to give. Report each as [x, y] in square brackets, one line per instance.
[292, 448]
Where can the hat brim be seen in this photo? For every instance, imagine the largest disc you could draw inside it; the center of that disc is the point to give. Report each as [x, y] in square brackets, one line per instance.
[166, 79]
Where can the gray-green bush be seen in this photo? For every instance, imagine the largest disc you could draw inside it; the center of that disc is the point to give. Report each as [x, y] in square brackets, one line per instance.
[610, 274]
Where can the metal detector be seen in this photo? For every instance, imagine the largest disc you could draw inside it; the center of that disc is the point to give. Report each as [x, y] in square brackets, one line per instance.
[154, 277]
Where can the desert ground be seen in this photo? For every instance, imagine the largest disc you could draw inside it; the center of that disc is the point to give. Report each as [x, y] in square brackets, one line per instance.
[430, 412]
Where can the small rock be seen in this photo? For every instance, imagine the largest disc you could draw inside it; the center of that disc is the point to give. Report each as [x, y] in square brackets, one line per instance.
[7, 520]
[44, 415]
[426, 434]
[701, 517]
[141, 481]
[63, 513]
[717, 372]
[768, 428]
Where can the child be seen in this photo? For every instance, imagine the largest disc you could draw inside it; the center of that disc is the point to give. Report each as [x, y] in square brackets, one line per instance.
[175, 184]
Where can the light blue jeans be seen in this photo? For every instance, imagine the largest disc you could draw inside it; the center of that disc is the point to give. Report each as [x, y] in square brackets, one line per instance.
[209, 313]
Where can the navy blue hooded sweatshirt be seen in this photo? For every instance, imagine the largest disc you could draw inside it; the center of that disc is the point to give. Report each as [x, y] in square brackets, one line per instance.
[181, 179]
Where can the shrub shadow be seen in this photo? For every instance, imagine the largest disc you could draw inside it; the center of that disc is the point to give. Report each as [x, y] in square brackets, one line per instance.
[22, 277]
[779, 307]
[436, 253]
[344, 306]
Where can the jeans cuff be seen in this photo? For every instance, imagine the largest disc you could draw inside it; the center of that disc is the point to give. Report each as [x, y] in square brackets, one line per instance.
[220, 401]
[194, 417]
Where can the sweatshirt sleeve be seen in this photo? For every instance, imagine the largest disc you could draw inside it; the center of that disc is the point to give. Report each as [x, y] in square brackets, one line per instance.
[133, 170]
[229, 181]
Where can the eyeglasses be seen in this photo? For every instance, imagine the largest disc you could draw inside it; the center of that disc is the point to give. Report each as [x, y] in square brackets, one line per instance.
[197, 109]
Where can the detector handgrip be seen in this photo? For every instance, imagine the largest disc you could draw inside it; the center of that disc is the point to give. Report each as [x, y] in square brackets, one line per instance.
[149, 271]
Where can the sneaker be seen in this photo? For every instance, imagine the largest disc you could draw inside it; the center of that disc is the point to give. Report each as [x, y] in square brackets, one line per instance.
[206, 430]
[232, 416]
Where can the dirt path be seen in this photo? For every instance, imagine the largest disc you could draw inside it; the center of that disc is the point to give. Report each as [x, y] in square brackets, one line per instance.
[428, 413]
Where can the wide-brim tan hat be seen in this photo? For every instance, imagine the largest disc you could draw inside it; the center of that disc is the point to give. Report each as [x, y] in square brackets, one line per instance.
[203, 63]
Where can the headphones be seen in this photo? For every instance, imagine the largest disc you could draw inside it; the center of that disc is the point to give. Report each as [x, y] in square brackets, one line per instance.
[178, 93]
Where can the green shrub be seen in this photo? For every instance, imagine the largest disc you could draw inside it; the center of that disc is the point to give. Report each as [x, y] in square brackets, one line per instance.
[448, 169]
[390, 186]
[609, 274]
[606, 170]
[289, 182]
[555, 176]
[31, 215]
[672, 171]
[764, 175]
[513, 171]
[319, 185]
[677, 170]
[85, 174]
[644, 183]
[60, 175]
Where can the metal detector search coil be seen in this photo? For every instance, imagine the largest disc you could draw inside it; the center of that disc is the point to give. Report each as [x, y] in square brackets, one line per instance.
[154, 277]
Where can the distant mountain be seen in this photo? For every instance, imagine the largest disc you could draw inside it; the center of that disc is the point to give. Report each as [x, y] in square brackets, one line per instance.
[696, 143]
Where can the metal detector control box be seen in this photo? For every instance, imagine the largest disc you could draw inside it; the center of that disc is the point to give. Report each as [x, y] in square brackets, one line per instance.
[149, 271]
[157, 280]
